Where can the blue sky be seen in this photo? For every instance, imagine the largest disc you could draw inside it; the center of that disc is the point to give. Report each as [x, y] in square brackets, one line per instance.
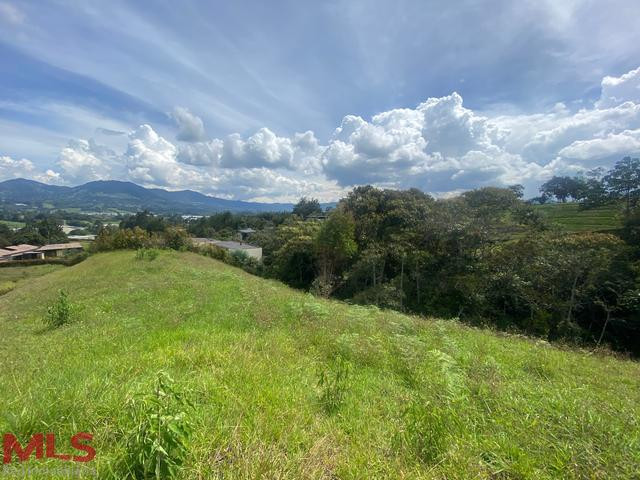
[274, 100]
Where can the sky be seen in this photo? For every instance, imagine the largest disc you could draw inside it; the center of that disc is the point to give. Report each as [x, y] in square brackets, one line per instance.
[271, 101]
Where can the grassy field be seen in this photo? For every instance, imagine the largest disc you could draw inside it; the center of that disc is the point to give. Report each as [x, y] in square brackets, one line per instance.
[571, 218]
[403, 397]
[11, 276]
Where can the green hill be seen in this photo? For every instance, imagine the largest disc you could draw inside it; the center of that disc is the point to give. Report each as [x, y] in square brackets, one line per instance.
[570, 217]
[422, 398]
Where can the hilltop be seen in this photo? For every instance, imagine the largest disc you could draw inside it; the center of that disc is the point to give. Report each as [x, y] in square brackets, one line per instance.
[423, 398]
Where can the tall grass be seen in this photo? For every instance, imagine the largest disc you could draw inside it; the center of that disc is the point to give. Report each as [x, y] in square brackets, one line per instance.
[285, 385]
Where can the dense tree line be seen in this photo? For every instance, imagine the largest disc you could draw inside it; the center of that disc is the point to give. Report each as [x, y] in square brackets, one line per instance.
[596, 188]
[39, 230]
[485, 257]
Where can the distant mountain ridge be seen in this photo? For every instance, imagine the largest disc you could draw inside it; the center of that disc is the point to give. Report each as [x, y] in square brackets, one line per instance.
[111, 195]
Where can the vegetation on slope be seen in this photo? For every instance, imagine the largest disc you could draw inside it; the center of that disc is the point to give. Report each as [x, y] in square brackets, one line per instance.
[285, 385]
[572, 218]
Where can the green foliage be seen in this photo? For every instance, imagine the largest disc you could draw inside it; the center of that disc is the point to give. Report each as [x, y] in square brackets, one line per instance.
[146, 221]
[334, 246]
[562, 188]
[306, 207]
[38, 230]
[333, 384]
[116, 239]
[59, 313]
[157, 440]
[624, 180]
[149, 254]
[176, 238]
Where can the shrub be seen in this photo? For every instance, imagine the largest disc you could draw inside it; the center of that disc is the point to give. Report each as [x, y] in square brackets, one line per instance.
[176, 238]
[59, 313]
[156, 444]
[120, 239]
[333, 383]
[216, 252]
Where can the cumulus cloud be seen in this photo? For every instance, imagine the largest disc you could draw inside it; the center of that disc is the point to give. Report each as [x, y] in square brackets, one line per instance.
[10, 168]
[439, 146]
[262, 149]
[84, 160]
[616, 90]
[611, 145]
[191, 127]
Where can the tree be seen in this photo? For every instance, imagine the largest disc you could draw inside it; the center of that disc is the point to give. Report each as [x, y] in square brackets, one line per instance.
[594, 194]
[306, 207]
[624, 180]
[334, 245]
[294, 261]
[517, 189]
[562, 188]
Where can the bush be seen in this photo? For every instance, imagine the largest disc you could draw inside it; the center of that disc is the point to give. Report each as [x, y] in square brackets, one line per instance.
[176, 238]
[156, 444]
[59, 313]
[216, 252]
[121, 239]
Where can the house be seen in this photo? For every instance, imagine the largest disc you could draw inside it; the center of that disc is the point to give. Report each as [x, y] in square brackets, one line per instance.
[245, 232]
[20, 252]
[232, 247]
[60, 249]
[33, 252]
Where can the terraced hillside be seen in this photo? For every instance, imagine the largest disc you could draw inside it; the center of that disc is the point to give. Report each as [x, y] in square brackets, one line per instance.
[285, 385]
[570, 217]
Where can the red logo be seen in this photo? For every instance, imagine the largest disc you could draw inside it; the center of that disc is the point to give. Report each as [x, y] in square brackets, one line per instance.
[44, 445]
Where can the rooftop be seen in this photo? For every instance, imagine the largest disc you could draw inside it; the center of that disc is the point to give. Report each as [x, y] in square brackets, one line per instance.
[60, 246]
[233, 245]
[21, 248]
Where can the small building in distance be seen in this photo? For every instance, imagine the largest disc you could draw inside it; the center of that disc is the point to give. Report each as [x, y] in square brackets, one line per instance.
[20, 252]
[33, 252]
[245, 232]
[245, 248]
[60, 249]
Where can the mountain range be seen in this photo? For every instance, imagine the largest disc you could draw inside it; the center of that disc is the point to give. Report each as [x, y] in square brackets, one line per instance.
[112, 195]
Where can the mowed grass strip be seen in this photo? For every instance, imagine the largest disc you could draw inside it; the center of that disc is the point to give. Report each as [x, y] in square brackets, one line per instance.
[422, 398]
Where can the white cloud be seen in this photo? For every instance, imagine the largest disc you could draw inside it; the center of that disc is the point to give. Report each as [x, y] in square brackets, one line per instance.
[616, 90]
[191, 127]
[613, 144]
[10, 168]
[201, 153]
[151, 160]
[83, 161]
[262, 149]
